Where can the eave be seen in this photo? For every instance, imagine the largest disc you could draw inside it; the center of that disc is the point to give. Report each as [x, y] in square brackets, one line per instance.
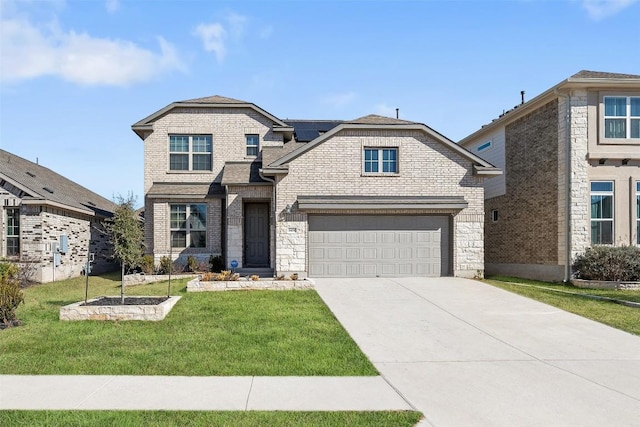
[309, 203]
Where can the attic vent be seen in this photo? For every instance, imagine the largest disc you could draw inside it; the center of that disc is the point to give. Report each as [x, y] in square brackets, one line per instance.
[91, 203]
[48, 189]
[32, 175]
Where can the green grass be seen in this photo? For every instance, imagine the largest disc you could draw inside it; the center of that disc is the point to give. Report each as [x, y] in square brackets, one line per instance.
[184, 418]
[263, 333]
[612, 314]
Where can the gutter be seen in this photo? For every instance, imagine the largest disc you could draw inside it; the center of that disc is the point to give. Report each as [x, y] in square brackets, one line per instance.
[567, 214]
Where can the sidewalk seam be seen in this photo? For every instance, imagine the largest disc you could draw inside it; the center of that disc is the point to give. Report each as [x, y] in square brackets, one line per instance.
[106, 383]
[246, 403]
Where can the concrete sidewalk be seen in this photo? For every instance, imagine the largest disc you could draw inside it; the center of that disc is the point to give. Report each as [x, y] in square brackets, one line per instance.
[465, 353]
[68, 392]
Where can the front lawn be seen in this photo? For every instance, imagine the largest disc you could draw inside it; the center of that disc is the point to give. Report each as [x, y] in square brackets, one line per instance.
[262, 333]
[609, 313]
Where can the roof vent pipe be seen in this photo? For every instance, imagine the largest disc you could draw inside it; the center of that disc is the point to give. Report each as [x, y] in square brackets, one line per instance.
[522, 97]
[397, 113]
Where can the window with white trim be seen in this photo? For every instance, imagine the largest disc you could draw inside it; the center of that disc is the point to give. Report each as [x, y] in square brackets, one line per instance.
[188, 225]
[253, 145]
[380, 160]
[494, 215]
[638, 212]
[13, 232]
[602, 212]
[622, 117]
[190, 152]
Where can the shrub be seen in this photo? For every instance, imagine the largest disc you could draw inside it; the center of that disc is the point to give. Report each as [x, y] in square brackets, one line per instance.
[165, 265]
[147, 264]
[255, 277]
[192, 264]
[226, 276]
[611, 263]
[216, 263]
[208, 277]
[10, 294]
[294, 276]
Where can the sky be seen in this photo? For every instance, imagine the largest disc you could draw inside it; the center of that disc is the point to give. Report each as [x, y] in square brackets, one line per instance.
[75, 75]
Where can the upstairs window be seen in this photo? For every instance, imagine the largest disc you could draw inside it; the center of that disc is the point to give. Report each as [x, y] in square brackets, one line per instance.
[622, 117]
[253, 145]
[188, 225]
[13, 232]
[602, 212]
[190, 152]
[381, 160]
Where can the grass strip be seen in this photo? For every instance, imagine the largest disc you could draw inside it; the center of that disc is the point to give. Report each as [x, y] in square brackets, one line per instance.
[199, 418]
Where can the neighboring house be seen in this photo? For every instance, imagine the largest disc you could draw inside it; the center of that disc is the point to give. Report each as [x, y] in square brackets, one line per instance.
[370, 197]
[50, 223]
[571, 162]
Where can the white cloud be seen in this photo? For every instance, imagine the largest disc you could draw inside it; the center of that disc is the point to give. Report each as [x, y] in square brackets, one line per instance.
[213, 38]
[600, 9]
[28, 51]
[339, 100]
[112, 6]
[266, 32]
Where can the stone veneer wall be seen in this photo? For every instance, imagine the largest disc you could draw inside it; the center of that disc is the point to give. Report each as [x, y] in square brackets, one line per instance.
[426, 168]
[527, 228]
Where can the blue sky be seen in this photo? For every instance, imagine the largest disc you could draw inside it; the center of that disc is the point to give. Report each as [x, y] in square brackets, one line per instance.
[75, 75]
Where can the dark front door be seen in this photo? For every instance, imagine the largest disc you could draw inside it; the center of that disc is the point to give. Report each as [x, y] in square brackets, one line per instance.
[256, 235]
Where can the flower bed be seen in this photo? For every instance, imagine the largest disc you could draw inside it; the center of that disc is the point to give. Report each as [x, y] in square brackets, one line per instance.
[196, 285]
[602, 284]
[146, 308]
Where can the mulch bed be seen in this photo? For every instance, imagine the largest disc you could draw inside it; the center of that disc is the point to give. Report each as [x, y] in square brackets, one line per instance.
[127, 301]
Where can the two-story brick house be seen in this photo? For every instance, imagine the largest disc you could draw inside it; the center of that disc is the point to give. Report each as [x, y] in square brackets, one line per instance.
[370, 197]
[49, 223]
[571, 162]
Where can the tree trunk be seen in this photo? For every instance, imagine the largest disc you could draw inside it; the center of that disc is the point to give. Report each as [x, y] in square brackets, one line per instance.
[122, 286]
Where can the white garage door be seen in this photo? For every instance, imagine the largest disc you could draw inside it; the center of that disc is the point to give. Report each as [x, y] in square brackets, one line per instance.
[378, 245]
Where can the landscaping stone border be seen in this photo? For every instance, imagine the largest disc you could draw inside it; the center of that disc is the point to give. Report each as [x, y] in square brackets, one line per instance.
[142, 279]
[601, 284]
[196, 285]
[79, 311]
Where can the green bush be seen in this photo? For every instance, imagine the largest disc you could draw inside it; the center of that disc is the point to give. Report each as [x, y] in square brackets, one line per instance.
[192, 264]
[147, 264]
[165, 265]
[10, 294]
[216, 263]
[612, 263]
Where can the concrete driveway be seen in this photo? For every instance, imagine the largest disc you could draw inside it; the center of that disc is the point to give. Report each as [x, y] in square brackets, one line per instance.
[467, 354]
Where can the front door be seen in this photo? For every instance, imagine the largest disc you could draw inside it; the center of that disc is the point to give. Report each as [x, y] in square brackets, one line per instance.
[256, 235]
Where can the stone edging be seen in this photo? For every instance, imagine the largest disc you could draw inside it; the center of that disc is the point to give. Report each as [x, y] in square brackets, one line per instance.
[78, 311]
[601, 284]
[196, 285]
[142, 279]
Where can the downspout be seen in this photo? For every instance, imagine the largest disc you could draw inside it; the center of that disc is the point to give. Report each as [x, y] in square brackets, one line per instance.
[275, 217]
[567, 186]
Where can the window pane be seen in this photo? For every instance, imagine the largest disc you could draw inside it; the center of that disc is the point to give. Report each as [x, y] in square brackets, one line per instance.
[198, 239]
[198, 217]
[13, 222]
[602, 186]
[601, 207]
[615, 106]
[179, 239]
[179, 216]
[389, 161]
[202, 162]
[252, 145]
[202, 144]
[179, 143]
[13, 246]
[635, 128]
[179, 162]
[615, 128]
[602, 232]
[370, 160]
[635, 106]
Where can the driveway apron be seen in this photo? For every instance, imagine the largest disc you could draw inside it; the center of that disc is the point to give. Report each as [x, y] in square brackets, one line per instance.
[468, 354]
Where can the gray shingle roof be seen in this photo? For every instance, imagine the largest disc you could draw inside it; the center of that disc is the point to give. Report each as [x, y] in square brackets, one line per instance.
[271, 154]
[215, 99]
[242, 173]
[373, 119]
[185, 190]
[41, 183]
[586, 74]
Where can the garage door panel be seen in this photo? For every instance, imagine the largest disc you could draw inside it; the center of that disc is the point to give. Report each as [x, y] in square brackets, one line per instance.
[381, 245]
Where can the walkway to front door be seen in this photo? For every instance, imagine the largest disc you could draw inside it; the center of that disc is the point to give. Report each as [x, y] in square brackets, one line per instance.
[256, 235]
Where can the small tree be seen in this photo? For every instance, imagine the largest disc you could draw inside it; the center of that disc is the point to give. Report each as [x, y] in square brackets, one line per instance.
[10, 294]
[126, 235]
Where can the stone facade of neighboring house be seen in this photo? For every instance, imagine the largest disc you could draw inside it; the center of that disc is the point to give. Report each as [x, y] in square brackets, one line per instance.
[571, 162]
[370, 197]
[49, 223]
